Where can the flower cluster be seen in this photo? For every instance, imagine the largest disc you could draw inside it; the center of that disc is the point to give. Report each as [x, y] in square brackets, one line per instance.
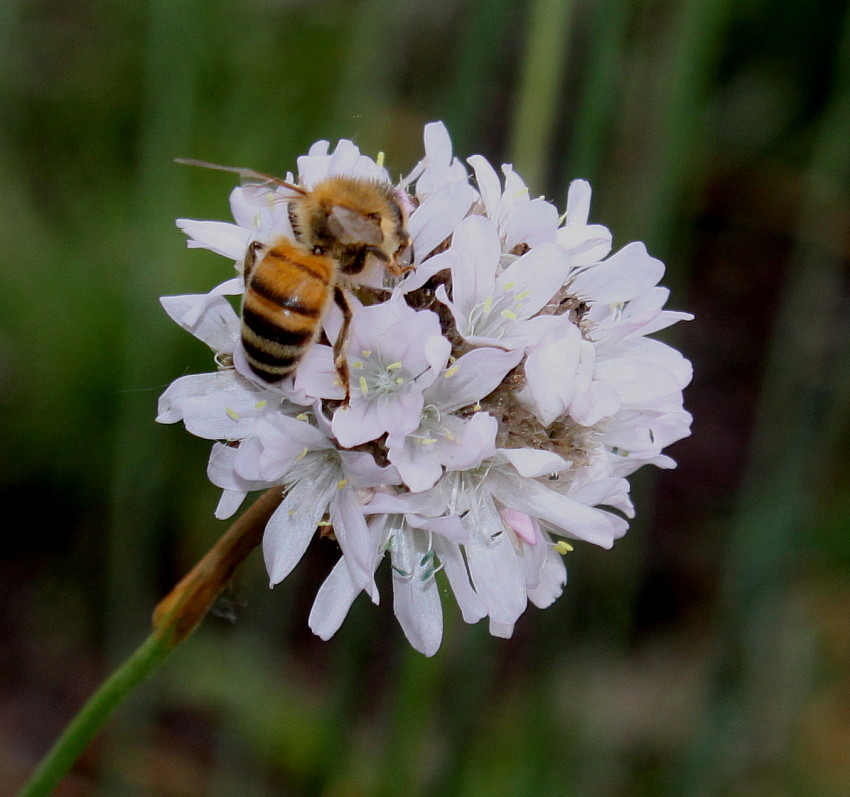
[501, 392]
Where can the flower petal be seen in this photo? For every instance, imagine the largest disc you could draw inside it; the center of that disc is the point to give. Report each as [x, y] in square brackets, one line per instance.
[416, 600]
[471, 378]
[293, 524]
[333, 601]
[217, 236]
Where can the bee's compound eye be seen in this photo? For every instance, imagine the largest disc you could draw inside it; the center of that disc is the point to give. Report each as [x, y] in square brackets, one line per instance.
[318, 250]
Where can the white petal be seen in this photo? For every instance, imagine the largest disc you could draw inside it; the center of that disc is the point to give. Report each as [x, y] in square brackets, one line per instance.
[621, 277]
[531, 462]
[209, 318]
[489, 185]
[638, 381]
[218, 236]
[477, 443]
[451, 528]
[493, 566]
[578, 203]
[477, 250]
[419, 465]
[229, 502]
[551, 369]
[436, 218]
[471, 378]
[170, 407]
[502, 630]
[532, 223]
[471, 606]
[358, 423]
[585, 245]
[563, 513]
[552, 576]
[416, 600]
[362, 470]
[537, 275]
[352, 532]
[292, 526]
[333, 601]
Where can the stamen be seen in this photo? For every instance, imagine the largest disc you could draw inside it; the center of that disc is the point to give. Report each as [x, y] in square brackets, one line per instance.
[302, 454]
[394, 366]
[451, 372]
[380, 159]
[341, 483]
[488, 304]
[400, 380]
[302, 416]
[364, 387]
[232, 414]
[520, 296]
[366, 352]
[260, 404]
[509, 314]
[427, 441]
[562, 547]
[357, 364]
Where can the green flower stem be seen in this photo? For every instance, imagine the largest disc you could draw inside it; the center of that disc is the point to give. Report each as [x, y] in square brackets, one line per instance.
[174, 619]
[93, 714]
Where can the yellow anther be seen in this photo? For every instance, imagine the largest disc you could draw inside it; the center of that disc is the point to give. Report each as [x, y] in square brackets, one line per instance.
[520, 296]
[357, 364]
[427, 441]
[509, 286]
[232, 414]
[364, 387]
[509, 314]
[399, 380]
[477, 406]
[380, 159]
[394, 366]
[341, 483]
[488, 304]
[260, 404]
[367, 352]
[563, 548]
[562, 218]
[302, 416]
[451, 372]
[302, 454]
[324, 523]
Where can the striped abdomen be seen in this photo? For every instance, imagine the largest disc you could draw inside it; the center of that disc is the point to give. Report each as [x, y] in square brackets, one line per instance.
[286, 295]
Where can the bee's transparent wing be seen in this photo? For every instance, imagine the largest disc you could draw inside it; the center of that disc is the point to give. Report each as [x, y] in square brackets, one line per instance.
[349, 226]
[257, 185]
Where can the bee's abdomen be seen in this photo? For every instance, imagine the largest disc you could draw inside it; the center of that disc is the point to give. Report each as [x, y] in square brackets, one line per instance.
[285, 299]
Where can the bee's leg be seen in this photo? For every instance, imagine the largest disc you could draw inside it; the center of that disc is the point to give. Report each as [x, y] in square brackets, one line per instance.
[340, 362]
[251, 258]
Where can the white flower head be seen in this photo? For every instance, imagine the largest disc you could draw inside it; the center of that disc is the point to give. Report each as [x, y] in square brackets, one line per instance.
[501, 393]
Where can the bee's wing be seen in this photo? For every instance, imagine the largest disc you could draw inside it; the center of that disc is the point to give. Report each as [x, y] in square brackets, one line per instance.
[249, 176]
[349, 226]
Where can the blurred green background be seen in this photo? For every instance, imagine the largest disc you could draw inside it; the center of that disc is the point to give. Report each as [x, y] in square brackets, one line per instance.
[707, 654]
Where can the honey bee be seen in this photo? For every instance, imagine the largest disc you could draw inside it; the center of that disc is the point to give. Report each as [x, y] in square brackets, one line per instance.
[338, 225]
